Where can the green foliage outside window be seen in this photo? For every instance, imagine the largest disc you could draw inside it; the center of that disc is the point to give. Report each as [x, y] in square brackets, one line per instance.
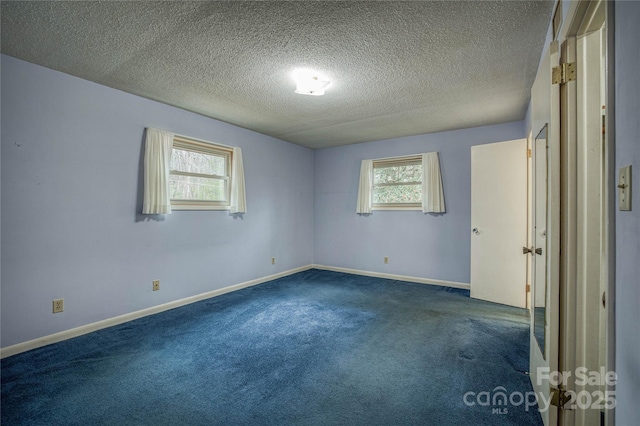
[397, 184]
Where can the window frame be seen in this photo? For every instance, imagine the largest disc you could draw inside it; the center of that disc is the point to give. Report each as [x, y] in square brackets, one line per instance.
[203, 147]
[396, 162]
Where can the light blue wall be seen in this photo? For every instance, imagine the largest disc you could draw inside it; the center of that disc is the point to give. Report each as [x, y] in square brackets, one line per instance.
[627, 140]
[71, 197]
[417, 244]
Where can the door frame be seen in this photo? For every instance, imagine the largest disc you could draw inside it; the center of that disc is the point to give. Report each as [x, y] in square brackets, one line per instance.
[575, 258]
[579, 14]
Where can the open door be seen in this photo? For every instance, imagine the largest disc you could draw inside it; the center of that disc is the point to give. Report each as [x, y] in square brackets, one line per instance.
[545, 234]
[499, 222]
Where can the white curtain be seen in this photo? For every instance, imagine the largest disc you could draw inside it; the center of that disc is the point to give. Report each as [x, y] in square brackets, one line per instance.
[157, 158]
[364, 189]
[432, 192]
[238, 197]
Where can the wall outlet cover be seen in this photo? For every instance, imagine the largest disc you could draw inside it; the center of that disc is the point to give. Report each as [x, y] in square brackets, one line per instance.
[624, 188]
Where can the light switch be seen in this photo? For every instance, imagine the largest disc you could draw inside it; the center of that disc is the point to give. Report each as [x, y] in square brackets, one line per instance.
[624, 188]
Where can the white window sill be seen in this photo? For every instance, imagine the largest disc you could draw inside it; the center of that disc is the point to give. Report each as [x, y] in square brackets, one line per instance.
[185, 207]
[396, 208]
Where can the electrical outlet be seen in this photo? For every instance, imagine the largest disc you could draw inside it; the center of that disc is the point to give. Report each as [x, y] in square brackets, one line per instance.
[156, 285]
[386, 259]
[58, 306]
[273, 260]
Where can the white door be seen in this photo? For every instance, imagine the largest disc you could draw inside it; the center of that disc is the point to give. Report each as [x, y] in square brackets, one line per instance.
[544, 337]
[499, 222]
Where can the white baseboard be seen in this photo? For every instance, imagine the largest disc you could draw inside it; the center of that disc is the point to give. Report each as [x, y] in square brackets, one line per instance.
[419, 280]
[110, 322]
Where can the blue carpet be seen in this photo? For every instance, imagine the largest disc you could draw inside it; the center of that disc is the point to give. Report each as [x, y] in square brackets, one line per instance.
[314, 348]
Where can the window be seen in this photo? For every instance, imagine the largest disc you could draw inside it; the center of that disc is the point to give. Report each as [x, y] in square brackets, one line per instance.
[397, 183]
[401, 183]
[200, 175]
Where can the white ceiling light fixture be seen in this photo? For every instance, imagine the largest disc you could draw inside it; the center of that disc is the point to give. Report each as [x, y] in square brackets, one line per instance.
[309, 82]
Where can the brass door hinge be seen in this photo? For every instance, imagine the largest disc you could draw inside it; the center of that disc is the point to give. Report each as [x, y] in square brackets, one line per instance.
[529, 154]
[559, 398]
[528, 288]
[563, 73]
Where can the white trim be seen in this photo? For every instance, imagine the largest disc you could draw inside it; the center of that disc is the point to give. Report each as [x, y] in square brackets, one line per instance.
[397, 157]
[110, 322]
[203, 141]
[418, 280]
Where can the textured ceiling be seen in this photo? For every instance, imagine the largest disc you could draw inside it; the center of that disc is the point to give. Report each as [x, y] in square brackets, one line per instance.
[396, 68]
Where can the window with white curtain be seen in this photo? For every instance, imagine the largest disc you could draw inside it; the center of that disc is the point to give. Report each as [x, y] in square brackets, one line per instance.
[401, 183]
[182, 173]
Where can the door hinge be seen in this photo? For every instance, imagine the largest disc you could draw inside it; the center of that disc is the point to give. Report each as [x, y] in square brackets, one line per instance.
[528, 288]
[559, 398]
[529, 154]
[563, 73]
